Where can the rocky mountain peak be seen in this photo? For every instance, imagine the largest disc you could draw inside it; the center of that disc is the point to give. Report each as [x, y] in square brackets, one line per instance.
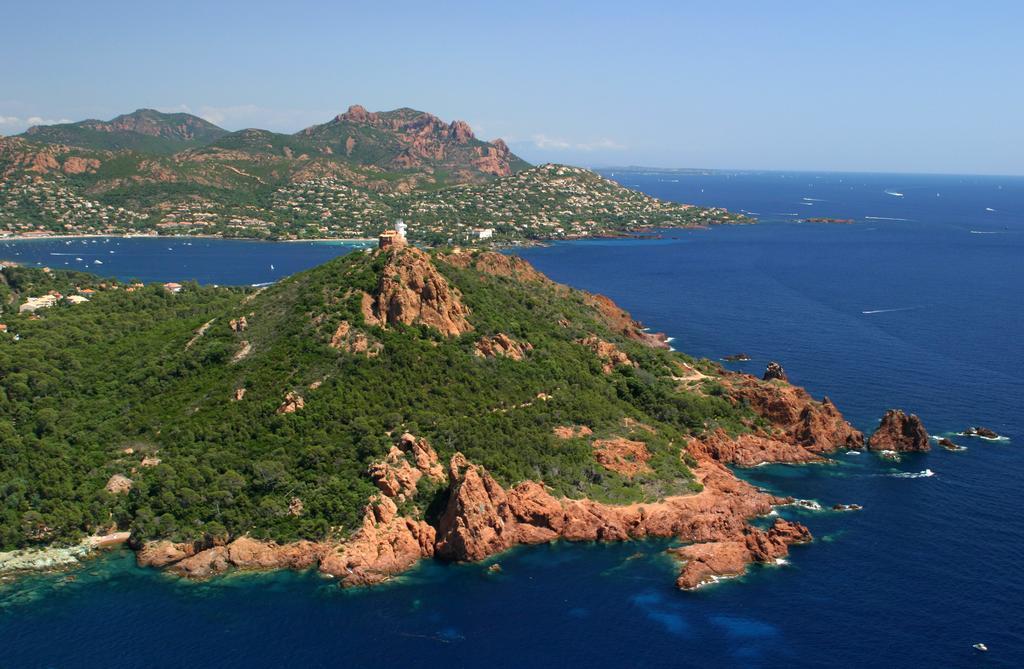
[357, 114]
[412, 291]
[460, 132]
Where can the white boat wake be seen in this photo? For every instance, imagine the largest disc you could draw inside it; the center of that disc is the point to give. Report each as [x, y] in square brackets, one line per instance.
[887, 311]
[914, 475]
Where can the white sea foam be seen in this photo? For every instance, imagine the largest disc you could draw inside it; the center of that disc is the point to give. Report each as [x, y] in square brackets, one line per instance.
[808, 504]
[913, 475]
[781, 561]
[986, 232]
[853, 452]
[812, 199]
[978, 436]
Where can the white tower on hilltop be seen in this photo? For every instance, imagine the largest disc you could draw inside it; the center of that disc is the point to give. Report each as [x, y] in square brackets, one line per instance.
[400, 227]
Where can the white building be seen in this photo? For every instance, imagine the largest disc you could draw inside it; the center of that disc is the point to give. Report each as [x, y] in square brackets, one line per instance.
[34, 303]
[484, 233]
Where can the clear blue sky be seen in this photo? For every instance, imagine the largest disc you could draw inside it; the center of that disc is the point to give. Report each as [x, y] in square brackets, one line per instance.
[876, 86]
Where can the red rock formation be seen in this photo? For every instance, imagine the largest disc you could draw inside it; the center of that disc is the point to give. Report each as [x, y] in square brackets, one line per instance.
[346, 338]
[899, 432]
[619, 321]
[624, 456]
[411, 291]
[482, 518]
[292, 402]
[502, 345]
[385, 545]
[77, 165]
[246, 553]
[239, 324]
[608, 352]
[705, 562]
[358, 114]
[496, 264]
[408, 461]
[460, 132]
[494, 159]
[572, 431]
[797, 418]
[749, 450]
[162, 553]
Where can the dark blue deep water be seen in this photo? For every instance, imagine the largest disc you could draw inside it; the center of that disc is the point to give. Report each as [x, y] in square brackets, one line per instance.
[923, 313]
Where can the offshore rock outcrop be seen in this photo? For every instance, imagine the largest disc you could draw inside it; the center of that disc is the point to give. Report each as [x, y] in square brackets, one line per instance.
[774, 371]
[899, 432]
[705, 563]
[411, 291]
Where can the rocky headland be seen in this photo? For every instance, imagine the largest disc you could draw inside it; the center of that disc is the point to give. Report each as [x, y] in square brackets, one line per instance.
[540, 371]
[482, 518]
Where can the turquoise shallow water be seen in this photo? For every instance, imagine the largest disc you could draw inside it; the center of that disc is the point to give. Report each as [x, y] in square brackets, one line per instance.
[930, 566]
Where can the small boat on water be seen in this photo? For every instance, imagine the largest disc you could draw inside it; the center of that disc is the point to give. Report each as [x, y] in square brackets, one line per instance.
[980, 646]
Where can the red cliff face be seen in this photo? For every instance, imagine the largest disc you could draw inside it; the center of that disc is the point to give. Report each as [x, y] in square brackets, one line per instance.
[424, 139]
[707, 562]
[798, 420]
[899, 432]
[482, 518]
[411, 291]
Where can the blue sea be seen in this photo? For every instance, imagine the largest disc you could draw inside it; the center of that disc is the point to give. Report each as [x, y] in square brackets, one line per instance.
[916, 305]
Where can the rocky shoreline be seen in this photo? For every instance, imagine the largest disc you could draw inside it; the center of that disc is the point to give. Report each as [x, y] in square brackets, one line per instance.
[481, 518]
[58, 557]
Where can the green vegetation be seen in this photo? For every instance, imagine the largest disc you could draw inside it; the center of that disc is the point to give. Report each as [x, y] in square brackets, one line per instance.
[81, 384]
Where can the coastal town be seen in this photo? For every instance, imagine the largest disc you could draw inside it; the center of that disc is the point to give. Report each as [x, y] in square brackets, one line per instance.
[548, 202]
